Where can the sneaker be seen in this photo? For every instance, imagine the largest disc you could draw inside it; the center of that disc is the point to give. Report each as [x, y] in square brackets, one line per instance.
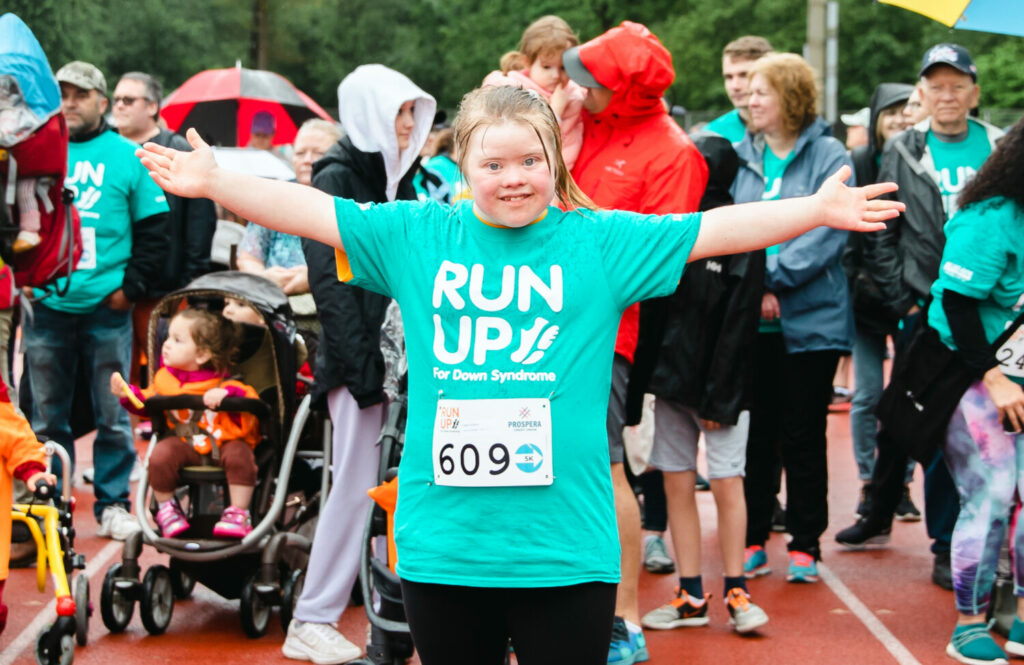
[802, 567]
[627, 647]
[25, 241]
[906, 511]
[318, 642]
[862, 534]
[942, 571]
[685, 610]
[974, 645]
[87, 475]
[117, 523]
[755, 562]
[656, 558]
[864, 503]
[702, 484]
[778, 518]
[744, 615]
[1015, 640]
[170, 519]
[234, 523]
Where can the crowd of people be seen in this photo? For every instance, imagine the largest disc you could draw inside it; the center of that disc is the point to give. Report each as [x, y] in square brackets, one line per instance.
[566, 224]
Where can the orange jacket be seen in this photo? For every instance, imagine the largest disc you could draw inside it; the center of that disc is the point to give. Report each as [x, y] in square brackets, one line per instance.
[222, 425]
[635, 157]
[18, 447]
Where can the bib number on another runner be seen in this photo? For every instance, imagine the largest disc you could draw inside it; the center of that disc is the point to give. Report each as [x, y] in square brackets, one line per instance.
[1011, 355]
[492, 442]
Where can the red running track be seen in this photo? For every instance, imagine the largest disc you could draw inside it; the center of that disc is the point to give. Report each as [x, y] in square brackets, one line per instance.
[876, 606]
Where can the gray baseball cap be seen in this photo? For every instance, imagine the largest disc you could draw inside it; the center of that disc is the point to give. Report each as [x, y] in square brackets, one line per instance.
[84, 75]
[576, 70]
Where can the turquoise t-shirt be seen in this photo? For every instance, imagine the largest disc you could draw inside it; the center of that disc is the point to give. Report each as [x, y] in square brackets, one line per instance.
[729, 125]
[957, 162]
[983, 259]
[112, 190]
[494, 313]
[774, 168]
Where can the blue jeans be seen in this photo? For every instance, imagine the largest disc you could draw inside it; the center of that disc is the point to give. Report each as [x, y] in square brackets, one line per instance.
[57, 346]
[868, 357]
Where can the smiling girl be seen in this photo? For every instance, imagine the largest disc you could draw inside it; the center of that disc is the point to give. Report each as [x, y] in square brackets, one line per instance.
[509, 282]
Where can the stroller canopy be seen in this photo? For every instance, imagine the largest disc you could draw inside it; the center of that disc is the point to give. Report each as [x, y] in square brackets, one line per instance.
[23, 59]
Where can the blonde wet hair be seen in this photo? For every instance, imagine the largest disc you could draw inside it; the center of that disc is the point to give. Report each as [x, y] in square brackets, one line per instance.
[492, 106]
[547, 35]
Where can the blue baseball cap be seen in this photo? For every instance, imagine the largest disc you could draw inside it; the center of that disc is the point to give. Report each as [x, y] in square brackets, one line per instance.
[954, 55]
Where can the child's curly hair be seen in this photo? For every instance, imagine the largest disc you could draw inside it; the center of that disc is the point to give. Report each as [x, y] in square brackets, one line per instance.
[212, 332]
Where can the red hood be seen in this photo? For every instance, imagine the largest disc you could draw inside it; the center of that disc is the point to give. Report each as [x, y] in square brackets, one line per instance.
[630, 61]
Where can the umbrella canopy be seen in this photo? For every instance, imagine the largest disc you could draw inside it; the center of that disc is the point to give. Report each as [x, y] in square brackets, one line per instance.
[1002, 16]
[253, 161]
[221, 103]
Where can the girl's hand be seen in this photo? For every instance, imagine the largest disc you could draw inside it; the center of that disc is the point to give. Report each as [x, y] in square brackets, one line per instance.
[856, 208]
[214, 396]
[559, 100]
[116, 385]
[40, 478]
[1007, 396]
[710, 425]
[186, 174]
[770, 309]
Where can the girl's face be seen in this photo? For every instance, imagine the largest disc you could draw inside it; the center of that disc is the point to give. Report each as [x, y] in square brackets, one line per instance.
[238, 311]
[179, 350]
[404, 124]
[512, 183]
[891, 122]
[765, 109]
[547, 71]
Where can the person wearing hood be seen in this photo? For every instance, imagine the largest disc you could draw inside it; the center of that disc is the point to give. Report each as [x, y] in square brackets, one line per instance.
[634, 157]
[870, 314]
[386, 118]
[806, 319]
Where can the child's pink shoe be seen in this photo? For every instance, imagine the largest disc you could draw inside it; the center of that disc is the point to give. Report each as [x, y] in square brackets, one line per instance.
[234, 523]
[170, 519]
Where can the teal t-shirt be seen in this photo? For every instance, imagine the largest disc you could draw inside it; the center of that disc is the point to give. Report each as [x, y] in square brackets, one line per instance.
[774, 168]
[112, 190]
[494, 313]
[957, 162]
[729, 125]
[983, 259]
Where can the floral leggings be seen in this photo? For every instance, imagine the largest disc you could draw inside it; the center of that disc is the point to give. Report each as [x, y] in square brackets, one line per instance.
[987, 465]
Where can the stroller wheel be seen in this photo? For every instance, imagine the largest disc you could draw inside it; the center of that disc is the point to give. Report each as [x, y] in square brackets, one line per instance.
[181, 582]
[116, 607]
[254, 610]
[291, 590]
[58, 652]
[82, 610]
[157, 603]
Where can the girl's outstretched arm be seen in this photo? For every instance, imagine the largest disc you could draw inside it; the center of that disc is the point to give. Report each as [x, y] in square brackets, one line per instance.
[749, 226]
[282, 206]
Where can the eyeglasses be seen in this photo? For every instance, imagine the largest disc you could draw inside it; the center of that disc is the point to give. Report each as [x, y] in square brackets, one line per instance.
[127, 101]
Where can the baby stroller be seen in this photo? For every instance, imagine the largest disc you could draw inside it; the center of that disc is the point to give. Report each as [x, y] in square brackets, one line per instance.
[55, 547]
[256, 569]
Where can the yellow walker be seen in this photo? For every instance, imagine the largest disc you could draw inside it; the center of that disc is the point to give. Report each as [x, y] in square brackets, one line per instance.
[55, 549]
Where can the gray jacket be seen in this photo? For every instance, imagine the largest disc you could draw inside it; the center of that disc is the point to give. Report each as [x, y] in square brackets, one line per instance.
[807, 274]
[904, 258]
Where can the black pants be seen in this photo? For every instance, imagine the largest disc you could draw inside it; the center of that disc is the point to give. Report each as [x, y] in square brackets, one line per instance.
[792, 392]
[454, 625]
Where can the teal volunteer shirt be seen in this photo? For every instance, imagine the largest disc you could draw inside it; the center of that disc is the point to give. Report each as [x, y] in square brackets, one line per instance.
[774, 168]
[728, 125]
[112, 189]
[497, 313]
[957, 162]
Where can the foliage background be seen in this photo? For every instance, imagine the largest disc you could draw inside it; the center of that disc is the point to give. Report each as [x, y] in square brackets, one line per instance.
[448, 46]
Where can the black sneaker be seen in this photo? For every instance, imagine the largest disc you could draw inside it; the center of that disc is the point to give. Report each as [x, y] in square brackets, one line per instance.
[702, 484]
[778, 517]
[864, 504]
[862, 534]
[906, 511]
[942, 572]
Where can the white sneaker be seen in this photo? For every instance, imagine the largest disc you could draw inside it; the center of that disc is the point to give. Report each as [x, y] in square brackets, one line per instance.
[117, 523]
[318, 642]
[88, 474]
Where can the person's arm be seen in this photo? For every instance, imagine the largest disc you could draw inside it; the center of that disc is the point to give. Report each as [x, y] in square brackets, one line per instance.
[247, 262]
[749, 226]
[288, 207]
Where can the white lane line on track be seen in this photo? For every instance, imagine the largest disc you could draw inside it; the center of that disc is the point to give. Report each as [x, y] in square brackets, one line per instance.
[27, 637]
[866, 616]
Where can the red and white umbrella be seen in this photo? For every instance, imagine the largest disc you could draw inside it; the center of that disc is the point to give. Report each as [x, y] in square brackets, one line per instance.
[220, 104]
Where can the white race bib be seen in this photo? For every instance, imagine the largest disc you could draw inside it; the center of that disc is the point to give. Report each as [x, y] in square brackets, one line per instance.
[1011, 355]
[492, 442]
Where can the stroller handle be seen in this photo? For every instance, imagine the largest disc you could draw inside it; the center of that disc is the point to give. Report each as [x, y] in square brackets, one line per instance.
[158, 404]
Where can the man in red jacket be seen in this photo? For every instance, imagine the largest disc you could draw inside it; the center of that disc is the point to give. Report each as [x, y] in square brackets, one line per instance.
[634, 157]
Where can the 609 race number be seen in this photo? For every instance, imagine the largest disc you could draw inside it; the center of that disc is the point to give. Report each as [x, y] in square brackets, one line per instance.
[468, 459]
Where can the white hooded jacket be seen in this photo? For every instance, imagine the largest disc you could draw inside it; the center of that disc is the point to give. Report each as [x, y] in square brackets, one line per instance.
[368, 101]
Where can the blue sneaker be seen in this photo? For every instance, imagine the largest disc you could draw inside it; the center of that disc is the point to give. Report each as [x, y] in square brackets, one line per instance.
[802, 567]
[974, 645]
[755, 562]
[1015, 641]
[627, 647]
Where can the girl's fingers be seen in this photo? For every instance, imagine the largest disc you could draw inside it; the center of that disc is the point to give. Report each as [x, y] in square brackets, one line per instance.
[879, 216]
[194, 139]
[843, 174]
[150, 148]
[877, 189]
[869, 226]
